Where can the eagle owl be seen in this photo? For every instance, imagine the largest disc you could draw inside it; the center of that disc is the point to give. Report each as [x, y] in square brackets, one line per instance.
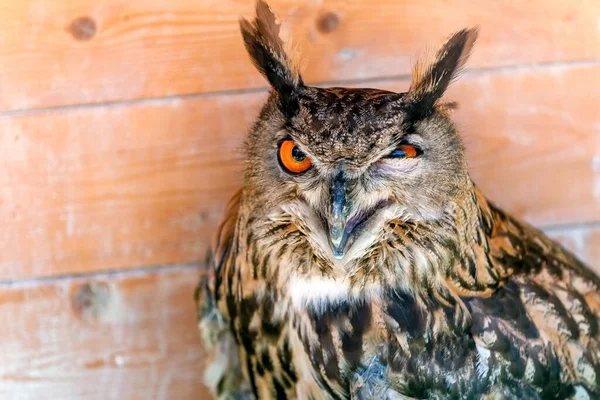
[359, 260]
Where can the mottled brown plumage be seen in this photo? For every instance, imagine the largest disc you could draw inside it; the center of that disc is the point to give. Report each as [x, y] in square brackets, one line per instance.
[382, 271]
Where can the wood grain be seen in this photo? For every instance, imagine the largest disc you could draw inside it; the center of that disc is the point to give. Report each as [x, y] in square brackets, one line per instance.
[108, 338]
[117, 187]
[91, 51]
[101, 188]
[533, 138]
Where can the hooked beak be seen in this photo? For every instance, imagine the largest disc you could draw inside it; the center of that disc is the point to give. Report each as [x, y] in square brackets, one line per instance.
[338, 231]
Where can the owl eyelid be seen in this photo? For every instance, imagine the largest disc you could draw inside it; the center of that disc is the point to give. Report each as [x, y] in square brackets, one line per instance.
[395, 154]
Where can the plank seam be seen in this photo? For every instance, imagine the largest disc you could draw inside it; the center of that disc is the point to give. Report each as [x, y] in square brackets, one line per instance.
[98, 275]
[570, 227]
[263, 89]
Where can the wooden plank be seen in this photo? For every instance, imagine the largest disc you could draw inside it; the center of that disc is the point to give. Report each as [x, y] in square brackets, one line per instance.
[105, 188]
[583, 241]
[101, 188]
[534, 141]
[87, 51]
[103, 338]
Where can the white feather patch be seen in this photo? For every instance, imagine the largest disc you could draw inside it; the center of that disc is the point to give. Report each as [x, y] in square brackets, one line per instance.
[318, 291]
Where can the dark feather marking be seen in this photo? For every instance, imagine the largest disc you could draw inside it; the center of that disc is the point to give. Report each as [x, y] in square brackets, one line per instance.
[325, 353]
[325, 386]
[329, 356]
[275, 230]
[220, 385]
[255, 264]
[589, 316]
[231, 307]
[478, 237]
[279, 390]
[248, 307]
[285, 360]
[352, 342]
[452, 353]
[281, 251]
[506, 305]
[265, 360]
[251, 373]
[249, 239]
[286, 381]
[517, 362]
[396, 359]
[544, 295]
[259, 369]
[547, 374]
[218, 276]
[472, 268]
[269, 329]
[263, 266]
[402, 307]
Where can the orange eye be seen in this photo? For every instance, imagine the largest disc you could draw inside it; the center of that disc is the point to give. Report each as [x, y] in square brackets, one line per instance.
[292, 158]
[404, 151]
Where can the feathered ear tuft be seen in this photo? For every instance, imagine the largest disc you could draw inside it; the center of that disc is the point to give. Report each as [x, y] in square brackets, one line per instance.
[267, 51]
[430, 80]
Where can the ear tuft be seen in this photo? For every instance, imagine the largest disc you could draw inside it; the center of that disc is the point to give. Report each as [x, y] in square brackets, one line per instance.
[430, 80]
[267, 51]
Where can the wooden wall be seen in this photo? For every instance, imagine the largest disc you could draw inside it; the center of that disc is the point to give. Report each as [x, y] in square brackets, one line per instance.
[120, 124]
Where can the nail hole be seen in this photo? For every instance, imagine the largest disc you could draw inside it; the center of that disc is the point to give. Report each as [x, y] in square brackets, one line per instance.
[91, 299]
[346, 54]
[83, 28]
[328, 22]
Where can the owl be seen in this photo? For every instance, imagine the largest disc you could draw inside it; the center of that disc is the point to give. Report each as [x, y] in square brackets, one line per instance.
[360, 261]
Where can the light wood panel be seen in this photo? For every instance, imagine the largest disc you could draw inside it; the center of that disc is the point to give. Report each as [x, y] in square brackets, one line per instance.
[123, 186]
[117, 187]
[533, 139]
[89, 51]
[108, 338]
[584, 241]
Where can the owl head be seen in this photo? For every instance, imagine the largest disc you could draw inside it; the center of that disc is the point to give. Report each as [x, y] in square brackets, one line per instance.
[342, 163]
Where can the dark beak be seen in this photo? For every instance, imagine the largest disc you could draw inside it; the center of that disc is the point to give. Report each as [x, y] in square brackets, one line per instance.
[338, 233]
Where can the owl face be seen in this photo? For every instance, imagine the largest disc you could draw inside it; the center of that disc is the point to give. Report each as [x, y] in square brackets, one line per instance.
[351, 160]
[338, 163]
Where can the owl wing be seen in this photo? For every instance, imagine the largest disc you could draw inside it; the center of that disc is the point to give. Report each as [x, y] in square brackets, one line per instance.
[535, 336]
[541, 326]
[223, 373]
